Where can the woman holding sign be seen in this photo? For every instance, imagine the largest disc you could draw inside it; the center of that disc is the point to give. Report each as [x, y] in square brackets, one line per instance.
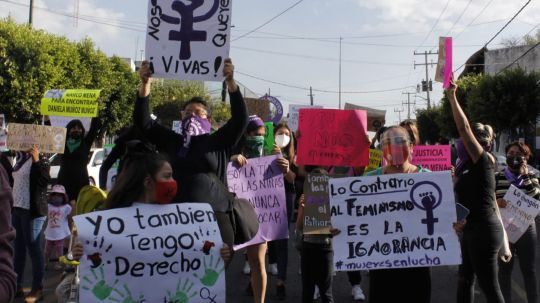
[475, 188]
[408, 284]
[517, 174]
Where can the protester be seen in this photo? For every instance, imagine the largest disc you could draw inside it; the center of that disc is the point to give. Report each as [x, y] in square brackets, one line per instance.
[73, 174]
[475, 188]
[278, 253]
[8, 278]
[517, 173]
[317, 255]
[408, 284]
[411, 128]
[57, 229]
[199, 159]
[252, 146]
[31, 176]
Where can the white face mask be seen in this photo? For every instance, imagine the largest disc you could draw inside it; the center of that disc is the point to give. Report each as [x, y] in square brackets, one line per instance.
[282, 140]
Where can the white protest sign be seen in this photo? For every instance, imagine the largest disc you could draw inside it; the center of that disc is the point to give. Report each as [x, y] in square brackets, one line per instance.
[293, 114]
[177, 126]
[519, 213]
[151, 253]
[394, 221]
[60, 121]
[3, 133]
[188, 40]
[111, 177]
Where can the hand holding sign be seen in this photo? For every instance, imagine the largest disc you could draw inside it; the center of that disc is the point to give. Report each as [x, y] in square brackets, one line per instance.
[228, 73]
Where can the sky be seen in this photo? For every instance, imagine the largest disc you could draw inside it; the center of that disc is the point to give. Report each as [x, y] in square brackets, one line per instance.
[301, 48]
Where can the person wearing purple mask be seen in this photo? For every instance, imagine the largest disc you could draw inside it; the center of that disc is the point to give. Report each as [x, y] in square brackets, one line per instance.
[475, 189]
[198, 157]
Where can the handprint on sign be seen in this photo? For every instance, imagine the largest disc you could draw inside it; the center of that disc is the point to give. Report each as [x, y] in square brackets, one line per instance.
[187, 34]
[211, 272]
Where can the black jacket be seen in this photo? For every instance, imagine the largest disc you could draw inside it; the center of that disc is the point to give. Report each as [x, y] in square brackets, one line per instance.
[207, 157]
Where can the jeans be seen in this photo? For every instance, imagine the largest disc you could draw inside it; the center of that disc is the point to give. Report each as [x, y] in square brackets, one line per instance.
[278, 250]
[28, 237]
[317, 269]
[479, 247]
[525, 250]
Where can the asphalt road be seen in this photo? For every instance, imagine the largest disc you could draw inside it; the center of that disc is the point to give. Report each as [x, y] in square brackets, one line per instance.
[444, 281]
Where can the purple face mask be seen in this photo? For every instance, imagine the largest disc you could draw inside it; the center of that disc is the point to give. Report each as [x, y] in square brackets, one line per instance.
[193, 126]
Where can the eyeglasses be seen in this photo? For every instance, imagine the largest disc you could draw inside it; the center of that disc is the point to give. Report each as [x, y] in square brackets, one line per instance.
[196, 112]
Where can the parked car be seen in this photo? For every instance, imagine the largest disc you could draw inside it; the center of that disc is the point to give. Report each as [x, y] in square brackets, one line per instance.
[94, 164]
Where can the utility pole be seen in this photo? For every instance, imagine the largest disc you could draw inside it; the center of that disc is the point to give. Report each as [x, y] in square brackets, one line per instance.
[409, 103]
[311, 96]
[340, 38]
[427, 87]
[31, 13]
[399, 111]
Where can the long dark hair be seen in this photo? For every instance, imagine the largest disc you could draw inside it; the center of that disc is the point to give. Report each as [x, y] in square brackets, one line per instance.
[73, 123]
[289, 149]
[140, 161]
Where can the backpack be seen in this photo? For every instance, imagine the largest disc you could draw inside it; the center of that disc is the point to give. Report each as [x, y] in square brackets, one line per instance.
[90, 198]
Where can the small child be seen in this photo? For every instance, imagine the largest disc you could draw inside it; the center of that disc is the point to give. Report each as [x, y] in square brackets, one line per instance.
[57, 224]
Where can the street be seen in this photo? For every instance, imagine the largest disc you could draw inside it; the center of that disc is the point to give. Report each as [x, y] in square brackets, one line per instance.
[444, 281]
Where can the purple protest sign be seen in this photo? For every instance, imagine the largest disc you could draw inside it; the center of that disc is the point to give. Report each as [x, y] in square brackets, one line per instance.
[261, 182]
[276, 118]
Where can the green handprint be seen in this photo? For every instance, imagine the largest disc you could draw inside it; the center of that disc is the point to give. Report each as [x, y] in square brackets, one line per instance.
[100, 289]
[182, 294]
[211, 274]
[128, 297]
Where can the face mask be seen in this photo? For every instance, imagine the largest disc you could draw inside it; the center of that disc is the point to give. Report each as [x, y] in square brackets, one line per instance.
[396, 154]
[515, 162]
[165, 191]
[282, 140]
[56, 200]
[254, 147]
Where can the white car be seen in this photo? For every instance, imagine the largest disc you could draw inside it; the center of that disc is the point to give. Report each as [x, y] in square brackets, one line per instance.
[94, 164]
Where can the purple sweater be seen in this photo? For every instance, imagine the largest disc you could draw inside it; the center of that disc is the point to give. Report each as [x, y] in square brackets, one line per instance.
[7, 234]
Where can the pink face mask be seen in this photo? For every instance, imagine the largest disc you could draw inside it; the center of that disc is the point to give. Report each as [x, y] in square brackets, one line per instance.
[396, 150]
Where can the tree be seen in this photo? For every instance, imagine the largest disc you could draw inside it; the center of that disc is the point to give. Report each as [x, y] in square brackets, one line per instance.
[33, 61]
[428, 126]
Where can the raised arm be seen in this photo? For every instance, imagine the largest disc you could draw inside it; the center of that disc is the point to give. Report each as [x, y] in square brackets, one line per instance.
[230, 133]
[474, 149]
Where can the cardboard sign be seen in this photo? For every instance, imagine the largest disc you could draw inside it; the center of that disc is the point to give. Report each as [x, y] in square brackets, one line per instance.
[60, 121]
[519, 213]
[47, 139]
[432, 157]
[444, 64]
[151, 253]
[375, 158]
[177, 126]
[3, 133]
[293, 115]
[188, 40]
[375, 117]
[317, 205]
[333, 137]
[261, 182]
[71, 102]
[258, 107]
[269, 138]
[394, 221]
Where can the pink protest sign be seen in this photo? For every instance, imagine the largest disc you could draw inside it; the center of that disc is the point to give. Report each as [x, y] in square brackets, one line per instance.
[432, 157]
[333, 137]
[444, 64]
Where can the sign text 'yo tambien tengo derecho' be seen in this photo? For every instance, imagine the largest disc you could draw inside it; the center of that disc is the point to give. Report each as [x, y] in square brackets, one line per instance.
[394, 221]
[151, 253]
[188, 40]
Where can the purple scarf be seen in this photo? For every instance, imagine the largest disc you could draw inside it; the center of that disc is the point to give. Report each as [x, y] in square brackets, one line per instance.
[193, 126]
[514, 179]
[463, 156]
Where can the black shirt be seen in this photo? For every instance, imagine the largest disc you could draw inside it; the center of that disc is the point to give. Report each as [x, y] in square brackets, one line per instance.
[475, 189]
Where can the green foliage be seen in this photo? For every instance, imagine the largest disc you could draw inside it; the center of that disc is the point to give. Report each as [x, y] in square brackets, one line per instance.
[33, 61]
[428, 126]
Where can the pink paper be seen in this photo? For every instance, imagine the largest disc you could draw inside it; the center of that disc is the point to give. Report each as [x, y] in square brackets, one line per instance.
[432, 157]
[333, 137]
[447, 62]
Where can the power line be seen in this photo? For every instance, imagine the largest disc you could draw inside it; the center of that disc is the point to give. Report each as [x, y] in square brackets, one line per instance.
[459, 18]
[267, 22]
[518, 58]
[474, 19]
[434, 25]
[320, 90]
[507, 23]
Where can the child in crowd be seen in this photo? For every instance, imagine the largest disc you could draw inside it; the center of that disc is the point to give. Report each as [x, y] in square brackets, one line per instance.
[57, 229]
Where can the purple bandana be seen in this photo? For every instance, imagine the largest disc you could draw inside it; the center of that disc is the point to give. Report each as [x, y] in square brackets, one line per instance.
[193, 126]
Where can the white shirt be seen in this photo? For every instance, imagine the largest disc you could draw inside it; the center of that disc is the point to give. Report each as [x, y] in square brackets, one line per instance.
[57, 223]
[21, 185]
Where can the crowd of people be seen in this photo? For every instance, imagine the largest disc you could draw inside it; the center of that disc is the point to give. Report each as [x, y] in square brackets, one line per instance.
[160, 166]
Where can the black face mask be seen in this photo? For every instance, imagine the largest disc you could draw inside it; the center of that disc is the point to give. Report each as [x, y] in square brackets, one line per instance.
[514, 162]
